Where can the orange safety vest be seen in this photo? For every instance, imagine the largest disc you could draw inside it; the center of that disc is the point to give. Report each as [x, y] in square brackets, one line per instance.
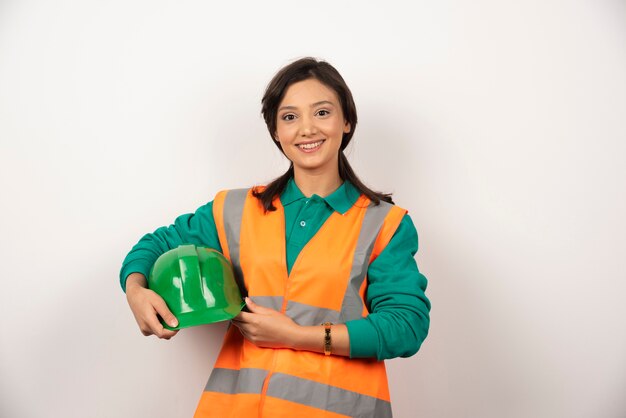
[327, 283]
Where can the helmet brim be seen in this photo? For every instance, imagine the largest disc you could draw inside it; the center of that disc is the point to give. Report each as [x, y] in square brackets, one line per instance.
[206, 316]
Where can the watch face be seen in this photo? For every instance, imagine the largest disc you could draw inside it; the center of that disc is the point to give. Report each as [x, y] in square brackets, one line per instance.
[327, 338]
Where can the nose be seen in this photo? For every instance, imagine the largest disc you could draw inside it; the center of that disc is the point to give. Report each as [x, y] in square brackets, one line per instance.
[307, 126]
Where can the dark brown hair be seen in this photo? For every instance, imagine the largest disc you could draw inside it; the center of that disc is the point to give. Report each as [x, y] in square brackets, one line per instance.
[300, 70]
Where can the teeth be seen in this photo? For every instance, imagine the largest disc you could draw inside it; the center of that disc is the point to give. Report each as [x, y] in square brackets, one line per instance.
[311, 146]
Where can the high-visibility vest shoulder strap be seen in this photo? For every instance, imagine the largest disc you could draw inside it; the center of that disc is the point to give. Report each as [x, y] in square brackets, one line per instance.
[229, 227]
[388, 228]
[227, 211]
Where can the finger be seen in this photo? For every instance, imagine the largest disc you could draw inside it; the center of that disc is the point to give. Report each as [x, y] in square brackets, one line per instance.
[244, 317]
[240, 326]
[166, 334]
[154, 325]
[254, 308]
[144, 325]
[164, 312]
[158, 329]
[243, 330]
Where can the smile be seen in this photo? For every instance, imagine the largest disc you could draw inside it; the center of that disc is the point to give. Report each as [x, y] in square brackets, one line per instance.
[311, 146]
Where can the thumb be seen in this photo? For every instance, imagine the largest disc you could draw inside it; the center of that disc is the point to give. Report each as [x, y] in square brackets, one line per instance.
[253, 307]
[165, 313]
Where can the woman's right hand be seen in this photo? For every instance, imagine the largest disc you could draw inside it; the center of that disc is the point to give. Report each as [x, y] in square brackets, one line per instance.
[146, 305]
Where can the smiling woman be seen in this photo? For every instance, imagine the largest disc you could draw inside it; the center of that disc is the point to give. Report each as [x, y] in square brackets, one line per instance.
[309, 95]
[310, 130]
[326, 264]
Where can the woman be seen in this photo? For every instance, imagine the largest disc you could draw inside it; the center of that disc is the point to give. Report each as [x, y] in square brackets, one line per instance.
[327, 264]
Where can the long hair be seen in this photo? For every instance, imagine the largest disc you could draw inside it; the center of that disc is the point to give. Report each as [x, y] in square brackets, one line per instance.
[300, 70]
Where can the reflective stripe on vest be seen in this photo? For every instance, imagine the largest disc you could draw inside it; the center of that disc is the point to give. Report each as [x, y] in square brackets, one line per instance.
[252, 381]
[302, 391]
[233, 210]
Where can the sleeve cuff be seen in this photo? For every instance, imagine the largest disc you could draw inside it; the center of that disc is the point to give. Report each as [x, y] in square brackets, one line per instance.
[134, 267]
[363, 338]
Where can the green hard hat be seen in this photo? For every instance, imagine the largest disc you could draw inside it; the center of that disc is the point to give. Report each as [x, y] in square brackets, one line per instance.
[198, 285]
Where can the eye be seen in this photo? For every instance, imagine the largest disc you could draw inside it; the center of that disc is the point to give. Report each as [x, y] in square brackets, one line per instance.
[288, 116]
[323, 112]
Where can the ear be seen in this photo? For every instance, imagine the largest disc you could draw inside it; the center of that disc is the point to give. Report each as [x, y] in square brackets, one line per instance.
[346, 127]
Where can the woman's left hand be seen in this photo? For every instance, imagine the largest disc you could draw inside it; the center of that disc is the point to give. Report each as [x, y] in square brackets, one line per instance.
[266, 327]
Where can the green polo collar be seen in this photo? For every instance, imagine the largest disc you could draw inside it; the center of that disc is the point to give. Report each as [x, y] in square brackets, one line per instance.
[340, 200]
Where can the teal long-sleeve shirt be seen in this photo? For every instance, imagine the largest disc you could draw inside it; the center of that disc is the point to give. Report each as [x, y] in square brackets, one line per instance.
[399, 309]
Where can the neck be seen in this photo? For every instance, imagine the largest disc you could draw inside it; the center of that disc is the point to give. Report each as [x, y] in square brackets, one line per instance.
[321, 184]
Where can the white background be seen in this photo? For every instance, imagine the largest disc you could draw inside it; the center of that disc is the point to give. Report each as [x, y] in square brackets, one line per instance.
[500, 125]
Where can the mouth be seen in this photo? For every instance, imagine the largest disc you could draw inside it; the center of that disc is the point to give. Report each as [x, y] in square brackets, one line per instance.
[310, 146]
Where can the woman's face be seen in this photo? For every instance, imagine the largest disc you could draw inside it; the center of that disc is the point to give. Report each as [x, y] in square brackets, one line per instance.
[310, 126]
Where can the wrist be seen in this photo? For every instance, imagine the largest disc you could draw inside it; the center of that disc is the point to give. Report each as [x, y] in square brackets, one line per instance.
[309, 338]
[296, 337]
[135, 281]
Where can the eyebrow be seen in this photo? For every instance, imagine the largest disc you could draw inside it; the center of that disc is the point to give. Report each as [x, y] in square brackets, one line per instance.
[313, 105]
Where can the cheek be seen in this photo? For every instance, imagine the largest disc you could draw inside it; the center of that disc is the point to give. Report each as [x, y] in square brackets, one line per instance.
[283, 136]
[336, 133]
[334, 126]
[284, 132]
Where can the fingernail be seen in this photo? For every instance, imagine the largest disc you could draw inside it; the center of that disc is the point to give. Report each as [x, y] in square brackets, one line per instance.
[173, 322]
